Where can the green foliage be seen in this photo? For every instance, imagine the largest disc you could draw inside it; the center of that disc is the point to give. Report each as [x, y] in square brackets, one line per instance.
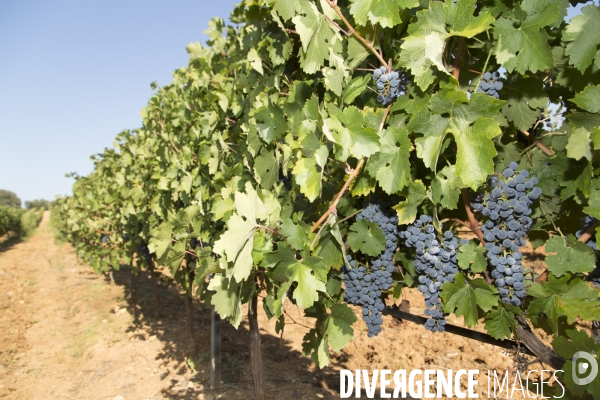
[9, 199]
[241, 158]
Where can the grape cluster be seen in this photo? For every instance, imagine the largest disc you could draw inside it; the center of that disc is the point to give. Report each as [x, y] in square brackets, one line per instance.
[285, 179]
[144, 252]
[588, 222]
[365, 283]
[390, 84]
[435, 263]
[490, 84]
[104, 239]
[506, 210]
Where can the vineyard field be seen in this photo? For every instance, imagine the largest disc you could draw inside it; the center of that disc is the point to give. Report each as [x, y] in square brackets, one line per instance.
[85, 342]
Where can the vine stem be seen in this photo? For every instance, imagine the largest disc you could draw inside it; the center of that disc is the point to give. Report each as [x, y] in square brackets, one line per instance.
[539, 145]
[353, 175]
[352, 31]
[473, 223]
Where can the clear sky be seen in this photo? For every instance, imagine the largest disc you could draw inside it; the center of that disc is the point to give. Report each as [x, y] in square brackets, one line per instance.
[75, 73]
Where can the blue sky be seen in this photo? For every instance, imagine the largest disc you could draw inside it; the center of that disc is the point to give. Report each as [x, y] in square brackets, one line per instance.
[73, 74]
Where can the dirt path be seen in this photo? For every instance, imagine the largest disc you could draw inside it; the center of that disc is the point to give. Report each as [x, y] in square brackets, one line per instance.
[67, 333]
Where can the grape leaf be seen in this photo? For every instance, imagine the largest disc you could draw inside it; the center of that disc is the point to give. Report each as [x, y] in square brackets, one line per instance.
[571, 297]
[567, 347]
[500, 324]
[226, 299]
[472, 257]
[286, 9]
[593, 207]
[332, 329]
[525, 96]
[424, 45]
[584, 35]
[350, 130]
[391, 165]
[471, 123]
[464, 296]
[317, 36]
[383, 12]
[266, 169]
[415, 193]
[308, 173]
[366, 237]
[523, 45]
[576, 257]
[589, 99]
[579, 144]
[237, 241]
[295, 234]
[446, 188]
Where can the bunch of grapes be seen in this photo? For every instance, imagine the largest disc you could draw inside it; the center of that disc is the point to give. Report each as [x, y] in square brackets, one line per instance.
[285, 179]
[390, 84]
[506, 210]
[144, 252]
[104, 239]
[365, 283]
[435, 263]
[490, 84]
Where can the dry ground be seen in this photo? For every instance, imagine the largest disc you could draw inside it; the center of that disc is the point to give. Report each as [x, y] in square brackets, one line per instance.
[67, 333]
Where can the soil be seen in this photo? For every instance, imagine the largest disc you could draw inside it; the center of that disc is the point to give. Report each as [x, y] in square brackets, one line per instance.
[68, 333]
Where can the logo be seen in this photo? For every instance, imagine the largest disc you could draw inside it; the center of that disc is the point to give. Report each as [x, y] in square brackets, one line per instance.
[583, 364]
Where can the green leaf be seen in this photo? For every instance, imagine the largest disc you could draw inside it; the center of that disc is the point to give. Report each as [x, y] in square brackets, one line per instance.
[308, 173]
[331, 330]
[472, 257]
[566, 347]
[579, 144]
[571, 256]
[565, 296]
[255, 61]
[266, 169]
[471, 122]
[464, 296]
[424, 46]
[523, 45]
[391, 166]
[415, 193]
[317, 36]
[286, 9]
[500, 324]
[237, 241]
[366, 237]
[226, 298]
[446, 188]
[525, 96]
[584, 35]
[383, 12]
[356, 86]
[350, 131]
[589, 99]
[295, 234]
[593, 207]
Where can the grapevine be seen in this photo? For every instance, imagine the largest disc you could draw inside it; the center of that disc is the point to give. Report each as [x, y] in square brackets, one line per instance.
[267, 143]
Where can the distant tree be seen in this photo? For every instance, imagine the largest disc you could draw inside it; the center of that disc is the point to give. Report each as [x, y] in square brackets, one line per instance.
[9, 199]
[41, 203]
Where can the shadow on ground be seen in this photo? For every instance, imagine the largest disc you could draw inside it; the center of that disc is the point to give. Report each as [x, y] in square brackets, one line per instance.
[288, 374]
